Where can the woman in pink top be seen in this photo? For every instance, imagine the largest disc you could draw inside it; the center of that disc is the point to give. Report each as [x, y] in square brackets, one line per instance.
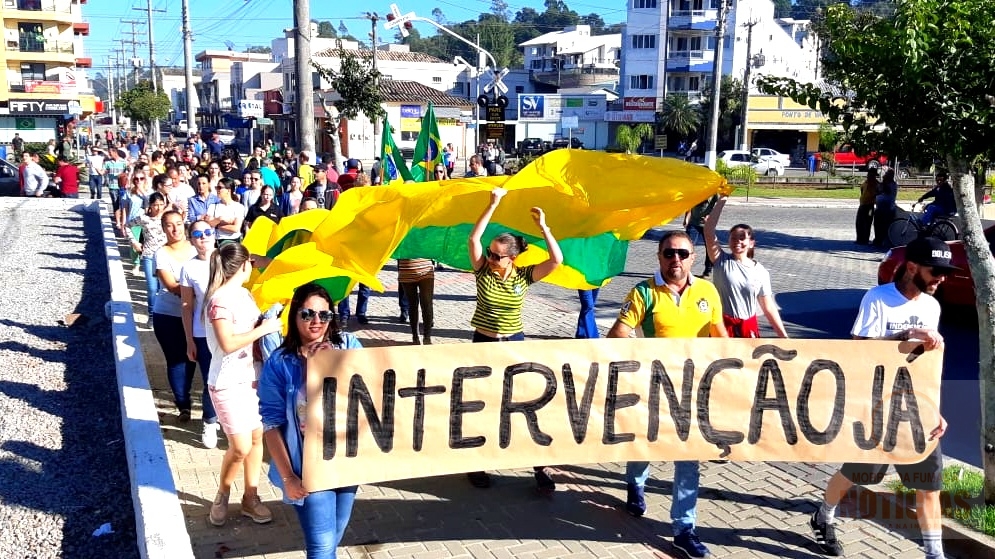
[233, 323]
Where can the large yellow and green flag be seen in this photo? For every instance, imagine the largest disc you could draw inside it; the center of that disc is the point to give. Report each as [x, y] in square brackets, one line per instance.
[428, 149]
[392, 164]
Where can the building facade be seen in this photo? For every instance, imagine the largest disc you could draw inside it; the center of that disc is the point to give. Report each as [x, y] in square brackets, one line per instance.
[214, 90]
[44, 68]
[574, 58]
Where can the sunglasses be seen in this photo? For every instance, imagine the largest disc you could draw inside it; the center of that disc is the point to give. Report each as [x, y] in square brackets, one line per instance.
[495, 256]
[323, 316]
[202, 233]
[682, 253]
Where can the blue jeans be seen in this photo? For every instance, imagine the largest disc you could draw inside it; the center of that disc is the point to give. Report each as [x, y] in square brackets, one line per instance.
[179, 370]
[151, 283]
[587, 328]
[684, 510]
[362, 300]
[204, 362]
[115, 194]
[324, 517]
[96, 187]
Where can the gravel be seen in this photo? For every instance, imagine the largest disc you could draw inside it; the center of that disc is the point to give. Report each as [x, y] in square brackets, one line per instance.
[63, 471]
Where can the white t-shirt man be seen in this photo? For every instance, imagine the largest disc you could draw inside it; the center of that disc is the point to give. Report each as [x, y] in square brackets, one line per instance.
[196, 274]
[884, 311]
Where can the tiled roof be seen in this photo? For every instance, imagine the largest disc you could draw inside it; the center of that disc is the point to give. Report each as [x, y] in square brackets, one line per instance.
[400, 91]
[393, 56]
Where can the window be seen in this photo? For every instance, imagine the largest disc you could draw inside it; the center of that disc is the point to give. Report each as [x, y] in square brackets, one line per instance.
[677, 83]
[694, 83]
[644, 41]
[409, 136]
[710, 42]
[32, 72]
[31, 38]
[436, 79]
[643, 4]
[641, 81]
[536, 64]
[519, 89]
[694, 43]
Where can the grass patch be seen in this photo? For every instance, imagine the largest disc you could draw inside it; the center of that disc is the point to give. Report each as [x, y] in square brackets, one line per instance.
[960, 487]
[833, 191]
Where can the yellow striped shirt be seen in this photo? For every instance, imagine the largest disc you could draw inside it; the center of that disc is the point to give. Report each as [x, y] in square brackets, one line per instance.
[500, 302]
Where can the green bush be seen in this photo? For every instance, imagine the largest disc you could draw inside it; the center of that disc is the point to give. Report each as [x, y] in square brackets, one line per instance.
[742, 173]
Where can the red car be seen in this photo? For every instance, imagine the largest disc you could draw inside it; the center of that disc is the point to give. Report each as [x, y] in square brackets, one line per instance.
[958, 288]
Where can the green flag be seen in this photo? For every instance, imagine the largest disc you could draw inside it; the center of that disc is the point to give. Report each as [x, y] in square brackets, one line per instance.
[392, 165]
[428, 149]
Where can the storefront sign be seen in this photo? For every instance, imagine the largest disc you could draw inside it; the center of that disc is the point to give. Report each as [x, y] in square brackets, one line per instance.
[630, 116]
[410, 111]
[639, 104]
[495, 131]
[51, 107]
[553, 107]
[37, 86]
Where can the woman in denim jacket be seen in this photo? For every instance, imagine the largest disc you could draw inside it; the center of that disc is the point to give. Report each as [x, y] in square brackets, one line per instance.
[283, 403]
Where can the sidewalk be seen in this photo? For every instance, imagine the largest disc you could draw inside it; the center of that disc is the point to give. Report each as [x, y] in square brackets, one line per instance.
[746, 510]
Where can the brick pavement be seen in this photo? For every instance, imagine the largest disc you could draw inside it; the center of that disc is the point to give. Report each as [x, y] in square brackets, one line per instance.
[746, 510]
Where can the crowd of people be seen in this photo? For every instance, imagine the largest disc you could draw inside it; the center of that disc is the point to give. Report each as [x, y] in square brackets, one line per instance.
[185, 208]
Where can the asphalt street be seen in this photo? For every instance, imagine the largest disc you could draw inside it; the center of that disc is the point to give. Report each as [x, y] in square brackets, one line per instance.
[819, 276]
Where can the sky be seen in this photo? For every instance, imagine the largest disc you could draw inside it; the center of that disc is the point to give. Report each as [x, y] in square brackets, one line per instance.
[257, 22]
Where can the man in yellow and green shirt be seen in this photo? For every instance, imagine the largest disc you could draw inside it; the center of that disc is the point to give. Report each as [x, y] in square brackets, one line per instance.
[673, 304]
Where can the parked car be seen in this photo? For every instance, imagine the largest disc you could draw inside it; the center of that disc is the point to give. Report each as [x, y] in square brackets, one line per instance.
[9, 185]
[766, 153]
[958, 289]
[180, 127]
[574, 143]
[531, 147]
[226, 136]
[845, 156]
[736, 157]
[769, 167]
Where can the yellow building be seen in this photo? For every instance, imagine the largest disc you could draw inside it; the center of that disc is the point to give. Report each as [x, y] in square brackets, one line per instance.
[782, 124]
[44, 81]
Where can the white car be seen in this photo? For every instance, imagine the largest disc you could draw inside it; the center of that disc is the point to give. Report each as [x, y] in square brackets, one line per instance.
[769, 167]
[736, 157]
[226, 136]
[766, 153]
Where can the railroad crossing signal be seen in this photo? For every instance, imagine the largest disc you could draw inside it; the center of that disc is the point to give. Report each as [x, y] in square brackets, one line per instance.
[496, 82]
[402, 22]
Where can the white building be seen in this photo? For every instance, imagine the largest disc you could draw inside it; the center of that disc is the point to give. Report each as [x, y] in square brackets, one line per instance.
[214, 88]
[669, 48]
[573, 57]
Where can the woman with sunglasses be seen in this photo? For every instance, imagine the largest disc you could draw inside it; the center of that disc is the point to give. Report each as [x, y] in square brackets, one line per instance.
[194, 277]
[167, 311]
[501, 290]
[231, 317]
[440, 173]
[742, 282]
[134, 204]
[283, 403]
[147, 226]
[226, 216]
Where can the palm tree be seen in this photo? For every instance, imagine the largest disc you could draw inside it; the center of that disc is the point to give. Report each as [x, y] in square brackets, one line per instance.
[631, 137]
[680, 115]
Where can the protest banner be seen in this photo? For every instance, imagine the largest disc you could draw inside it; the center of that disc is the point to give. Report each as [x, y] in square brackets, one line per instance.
[390, 413]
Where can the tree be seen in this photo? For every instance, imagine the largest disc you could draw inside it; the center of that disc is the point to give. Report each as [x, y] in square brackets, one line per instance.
[356, 85]
[828, 137]
[144, 104]
[931, 59]
[782, 8]
[679, 115]
[343, 30]
[809, 9]
[260, 49]
[326, 30]
[630, 138]
[499, 8]
[438, 16]
[730, 108]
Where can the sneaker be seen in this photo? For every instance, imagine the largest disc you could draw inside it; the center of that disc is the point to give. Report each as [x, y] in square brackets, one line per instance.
[480, 480]
[635, 501]
[687, 542]
[184, 416]
[361, 318]
[137, 270]
[209, 436]
[219, 510]
[403, 318]
[825, 536]
[257, 511]
[544, 482]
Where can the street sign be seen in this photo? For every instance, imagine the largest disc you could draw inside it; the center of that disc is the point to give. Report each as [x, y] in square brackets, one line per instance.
[466, 118]
[398, 20]
[250, 108]
[495, 131]
[495, 81]
[495, 113]
[660, 141]
[569, 122]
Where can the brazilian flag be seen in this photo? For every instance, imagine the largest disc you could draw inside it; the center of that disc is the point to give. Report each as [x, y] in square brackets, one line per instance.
[428, 149]
[392, 163]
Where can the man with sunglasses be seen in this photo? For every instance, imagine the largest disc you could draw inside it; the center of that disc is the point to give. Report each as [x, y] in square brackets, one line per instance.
[673, 304]
[901, 310]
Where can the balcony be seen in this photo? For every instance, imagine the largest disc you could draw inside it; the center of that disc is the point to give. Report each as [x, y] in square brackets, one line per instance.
[33, 48]
[695, 20]
[39, 10]
[576, 77]
[692, 96]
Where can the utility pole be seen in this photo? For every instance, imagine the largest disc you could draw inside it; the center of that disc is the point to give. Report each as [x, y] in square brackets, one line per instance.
[134, 42]
[155, 81]
[305, 90]
[374, 18]
[713, 127]
[191, 94]
[744, 120]
[110, 92]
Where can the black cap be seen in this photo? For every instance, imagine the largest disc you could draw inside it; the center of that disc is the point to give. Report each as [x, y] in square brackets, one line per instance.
[930, 251]
[320, 167]
[353, 164]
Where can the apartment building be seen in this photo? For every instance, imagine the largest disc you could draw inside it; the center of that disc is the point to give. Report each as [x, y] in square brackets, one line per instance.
[669, 49]
[214, 90]
[572, 57]
[44, 67]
